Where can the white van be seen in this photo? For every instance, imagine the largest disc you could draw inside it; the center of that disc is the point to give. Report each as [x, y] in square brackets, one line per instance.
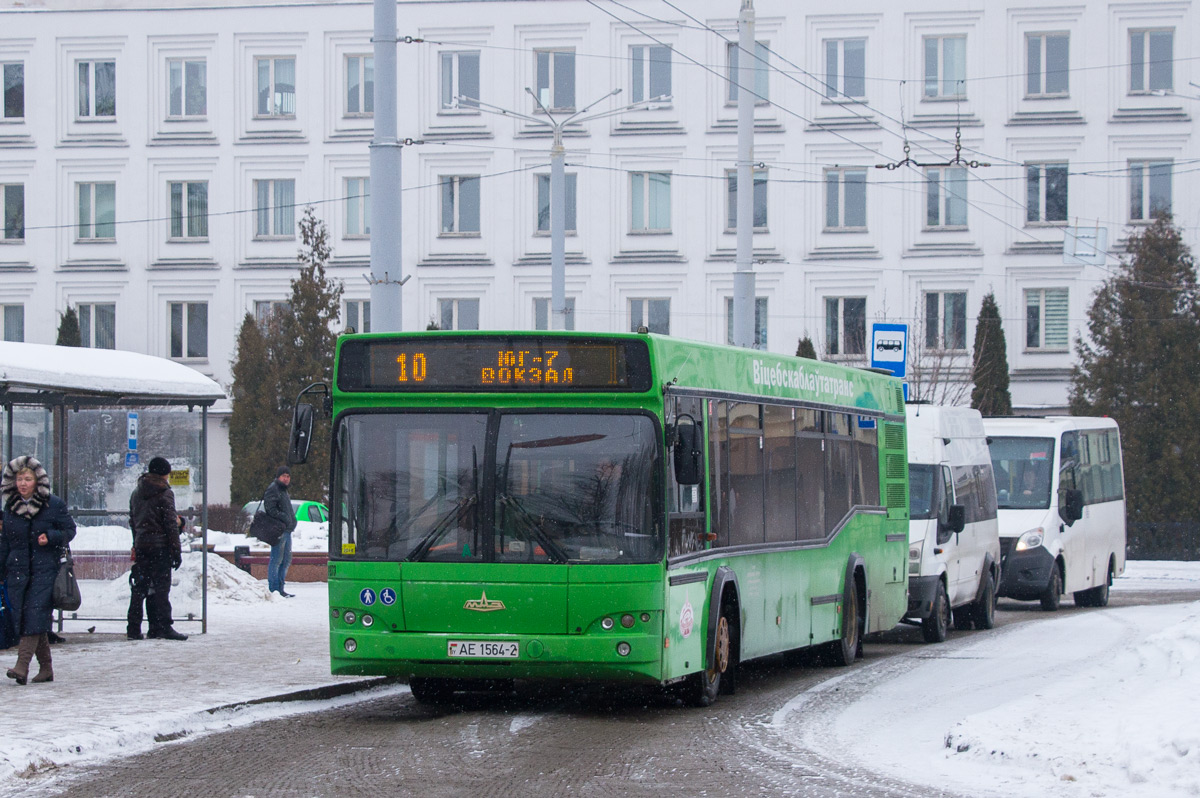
[1062, 507]
[953, 535]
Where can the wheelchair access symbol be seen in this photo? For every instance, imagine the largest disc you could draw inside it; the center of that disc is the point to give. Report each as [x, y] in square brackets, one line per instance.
[367, 596]
[387, 596]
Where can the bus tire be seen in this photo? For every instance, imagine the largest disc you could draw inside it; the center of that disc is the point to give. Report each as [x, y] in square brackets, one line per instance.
[1052, 595]
[701, 689]
[848, 647]
[935, 627]
[431, 691]
[1098, 595]
[983, 611]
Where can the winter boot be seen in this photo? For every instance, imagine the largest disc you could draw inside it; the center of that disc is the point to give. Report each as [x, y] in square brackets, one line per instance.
[169, 633]
[45, 672]
[25, 650]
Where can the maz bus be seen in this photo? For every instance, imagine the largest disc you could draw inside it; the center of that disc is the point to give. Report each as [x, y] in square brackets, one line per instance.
[605, 507]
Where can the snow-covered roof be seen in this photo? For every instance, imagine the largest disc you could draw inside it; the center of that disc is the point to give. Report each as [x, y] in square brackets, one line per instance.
[102, 374]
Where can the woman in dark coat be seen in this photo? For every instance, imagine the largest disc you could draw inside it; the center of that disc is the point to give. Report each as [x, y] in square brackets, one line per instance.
[36, 527]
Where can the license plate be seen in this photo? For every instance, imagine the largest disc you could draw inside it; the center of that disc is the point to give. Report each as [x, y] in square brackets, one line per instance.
[481, 649]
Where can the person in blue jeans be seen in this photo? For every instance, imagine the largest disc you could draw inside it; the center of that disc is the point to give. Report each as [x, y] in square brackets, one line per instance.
[278, 504]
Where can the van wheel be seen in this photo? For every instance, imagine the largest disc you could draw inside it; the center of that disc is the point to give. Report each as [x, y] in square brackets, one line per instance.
[1098, 595]
[1053, 592]
[701, 689]
[983, 611]
[935, 627]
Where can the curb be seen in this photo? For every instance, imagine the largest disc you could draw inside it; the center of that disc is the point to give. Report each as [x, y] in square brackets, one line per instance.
[311, 693]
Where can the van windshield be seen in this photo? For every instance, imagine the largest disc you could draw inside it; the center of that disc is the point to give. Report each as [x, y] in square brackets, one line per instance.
[920, 491]
[1023, 470]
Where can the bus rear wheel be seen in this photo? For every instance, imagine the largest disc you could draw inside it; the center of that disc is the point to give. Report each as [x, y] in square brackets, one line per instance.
[701, 689]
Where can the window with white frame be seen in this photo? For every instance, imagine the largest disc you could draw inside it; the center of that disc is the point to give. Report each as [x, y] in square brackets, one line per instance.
[460, 80]
[649, 72]
[556, 78]
[946, 320]
[189, 330]
[945, 66]
[97, 211]
[761, 73]
[267, 310]
[189, 209]
[1047, 325]
[1046, 193]
[187, 88]
[845, 199]
[98, 324]
[653, 314]
[542, 310]
[14, 323]
[13, 76]
[358, 207]
[12, 198]
[275, 208]
[360, 85]
[946, 197]
[1151, 61]
[96, 89]
[458, 314]
[650, 202]
[1047, 64]
[760, 322]
[543, 202]
[460, 205]
[1149, 189]
[760, 200]
[845, 68]
[846, 325]
[276, 85]
[358, 315]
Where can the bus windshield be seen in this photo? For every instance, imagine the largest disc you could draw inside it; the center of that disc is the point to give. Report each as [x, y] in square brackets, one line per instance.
[1022, 467]
[920, 491]
[498, 487]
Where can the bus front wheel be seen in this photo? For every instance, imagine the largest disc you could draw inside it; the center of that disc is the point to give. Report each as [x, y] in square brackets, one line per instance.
[702, 688]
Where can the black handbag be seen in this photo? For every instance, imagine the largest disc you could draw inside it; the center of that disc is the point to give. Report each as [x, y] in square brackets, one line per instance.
[267, 529]
[66, 587]
[8, 624]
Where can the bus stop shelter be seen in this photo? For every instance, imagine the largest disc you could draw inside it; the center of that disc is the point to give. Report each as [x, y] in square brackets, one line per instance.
[95, 417]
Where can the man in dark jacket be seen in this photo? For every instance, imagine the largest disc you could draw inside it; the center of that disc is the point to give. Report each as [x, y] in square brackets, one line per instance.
[278, 504]
[156, 550]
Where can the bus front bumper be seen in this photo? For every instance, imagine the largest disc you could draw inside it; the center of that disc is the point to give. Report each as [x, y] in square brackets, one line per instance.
[1025, 573]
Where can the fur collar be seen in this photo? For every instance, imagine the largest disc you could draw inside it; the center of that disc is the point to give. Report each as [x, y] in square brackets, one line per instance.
[41, 490]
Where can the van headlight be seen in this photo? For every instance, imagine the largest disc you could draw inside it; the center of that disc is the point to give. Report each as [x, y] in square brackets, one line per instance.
[1030, 540]
[914, 550]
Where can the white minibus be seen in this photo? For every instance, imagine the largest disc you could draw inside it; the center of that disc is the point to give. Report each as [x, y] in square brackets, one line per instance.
[1062, 507]
[953, 534]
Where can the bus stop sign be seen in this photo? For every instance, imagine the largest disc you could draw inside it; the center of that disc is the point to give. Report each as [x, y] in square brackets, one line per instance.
[889, 348]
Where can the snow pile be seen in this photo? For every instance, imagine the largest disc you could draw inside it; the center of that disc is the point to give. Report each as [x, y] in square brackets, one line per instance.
[308, 536]
[102, 538]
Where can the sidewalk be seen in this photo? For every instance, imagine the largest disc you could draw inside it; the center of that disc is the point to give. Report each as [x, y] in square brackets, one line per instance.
[115, 697]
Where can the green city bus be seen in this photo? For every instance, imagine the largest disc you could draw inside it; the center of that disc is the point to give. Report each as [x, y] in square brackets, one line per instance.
[604, 507]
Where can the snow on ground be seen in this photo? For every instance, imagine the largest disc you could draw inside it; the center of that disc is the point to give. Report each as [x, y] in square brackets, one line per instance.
[308, 536]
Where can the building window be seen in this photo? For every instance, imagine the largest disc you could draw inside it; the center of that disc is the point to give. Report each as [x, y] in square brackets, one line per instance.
[845, 199]
[458, 314]
[760, 322]
[650, 74]
[543, 201]
[267, 309]
[98, 325]
[12, 196]
[360, 85]
[275, 209]
[358, 315]
[460, 205]
[1151, 61]
[460, 80]
[945, 66]
[1045, 193]
[276, 87]
[358, 207]
[542, 309]
[761, 72]
[946, 320]
[14, 91]
[189, 329]
[1047, 67]
[188, 84]
[946, 197]
[760, 200]
[1046, 322]
[556, 79]
[14, 323]
[653, 314]
[189, 210]
[846, 325]
[96, 91]
[1149, 189]
[650, 202]
[845, 68]
[97, 211]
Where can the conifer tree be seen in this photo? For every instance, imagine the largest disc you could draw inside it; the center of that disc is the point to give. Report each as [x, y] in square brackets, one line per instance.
[257, 430]
[990, 369]
[806, 349]
[68, 329]
[1139, 367]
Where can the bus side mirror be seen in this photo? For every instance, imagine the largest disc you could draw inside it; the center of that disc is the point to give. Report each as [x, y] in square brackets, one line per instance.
[1073, 506]
[300, 438]
[957, 518]
[687, 454]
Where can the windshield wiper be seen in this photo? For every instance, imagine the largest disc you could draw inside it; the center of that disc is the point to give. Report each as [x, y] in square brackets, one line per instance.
[552, 549]
[452, 515]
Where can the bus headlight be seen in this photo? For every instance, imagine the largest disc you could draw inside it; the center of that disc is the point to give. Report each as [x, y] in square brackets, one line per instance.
[623, 649]
[606, 624]
[367, 620]
[351, 645]
[627, 620]
[1030, 540]
[350, 617]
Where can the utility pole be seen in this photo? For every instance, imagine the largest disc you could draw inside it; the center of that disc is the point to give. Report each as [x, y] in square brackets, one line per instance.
[385, 277]
[743, 277]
